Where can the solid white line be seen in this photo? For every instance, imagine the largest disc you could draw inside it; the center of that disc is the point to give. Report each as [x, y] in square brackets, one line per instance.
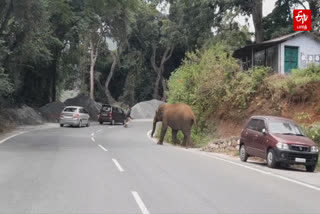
[251, 168]
[103, 148]
[261, 171]
[140, 203]
[4, 140]
[117, 165]
[93, 139]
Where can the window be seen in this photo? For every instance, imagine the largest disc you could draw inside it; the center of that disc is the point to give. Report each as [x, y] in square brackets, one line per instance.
[106, 108]
[285, 127]
[70, 110]
[81, 110]
[256, 125]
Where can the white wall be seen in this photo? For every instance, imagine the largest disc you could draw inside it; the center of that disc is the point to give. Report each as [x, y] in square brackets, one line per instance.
[307, 46]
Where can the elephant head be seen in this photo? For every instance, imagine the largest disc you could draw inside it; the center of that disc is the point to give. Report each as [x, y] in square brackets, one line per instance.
[157, 118]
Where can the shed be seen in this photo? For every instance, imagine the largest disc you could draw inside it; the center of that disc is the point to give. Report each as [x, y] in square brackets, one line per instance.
[282, 54]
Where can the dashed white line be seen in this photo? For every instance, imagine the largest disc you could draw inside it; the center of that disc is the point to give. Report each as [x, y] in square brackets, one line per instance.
[4, 140]
[140, 203]
[92, 138]
[117, 165]
[92, 134]
[99, 131]
[104, 149]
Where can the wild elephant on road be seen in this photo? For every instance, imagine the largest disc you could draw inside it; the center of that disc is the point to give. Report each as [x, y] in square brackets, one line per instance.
[178, 117]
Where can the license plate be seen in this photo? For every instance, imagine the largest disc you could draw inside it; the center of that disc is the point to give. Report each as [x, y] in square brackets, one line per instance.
[300, 160]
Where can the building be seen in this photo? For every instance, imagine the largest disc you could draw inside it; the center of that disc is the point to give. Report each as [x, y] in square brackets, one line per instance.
[282, 54]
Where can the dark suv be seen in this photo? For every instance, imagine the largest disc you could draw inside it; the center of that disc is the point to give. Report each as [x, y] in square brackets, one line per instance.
[111, 114]
[278, 140]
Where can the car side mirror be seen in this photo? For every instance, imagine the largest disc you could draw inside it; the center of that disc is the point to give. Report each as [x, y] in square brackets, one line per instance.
[264, 131]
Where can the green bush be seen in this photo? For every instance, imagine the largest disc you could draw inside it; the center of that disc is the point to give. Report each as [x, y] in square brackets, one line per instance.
[313, 131]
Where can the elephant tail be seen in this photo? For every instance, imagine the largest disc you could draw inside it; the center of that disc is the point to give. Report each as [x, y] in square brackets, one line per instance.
[194, 121]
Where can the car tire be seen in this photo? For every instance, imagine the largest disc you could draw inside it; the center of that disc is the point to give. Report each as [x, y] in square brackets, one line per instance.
[311, 168]
[271, 159]
[88, 123]
[124, 122]
[112, 122]
[80, 123]
[61, 125]
[243, 154]
[101, 123]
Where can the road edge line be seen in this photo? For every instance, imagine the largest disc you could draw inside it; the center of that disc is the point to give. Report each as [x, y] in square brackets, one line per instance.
[248, 167]
[12, 136]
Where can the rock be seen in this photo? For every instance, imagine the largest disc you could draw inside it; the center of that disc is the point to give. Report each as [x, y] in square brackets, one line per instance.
[145, 110]
[83, 100]
[51, 111]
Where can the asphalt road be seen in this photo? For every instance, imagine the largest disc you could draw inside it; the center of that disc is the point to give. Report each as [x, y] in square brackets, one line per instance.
[111, 169]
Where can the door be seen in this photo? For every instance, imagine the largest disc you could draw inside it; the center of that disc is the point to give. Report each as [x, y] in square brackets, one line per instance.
[260, 139]
[290, 58]
[250, 134]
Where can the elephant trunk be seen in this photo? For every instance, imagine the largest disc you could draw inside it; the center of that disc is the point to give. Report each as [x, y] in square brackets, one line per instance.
[154, 127]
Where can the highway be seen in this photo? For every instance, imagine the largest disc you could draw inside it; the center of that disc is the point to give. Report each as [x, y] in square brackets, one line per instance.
[112, 169]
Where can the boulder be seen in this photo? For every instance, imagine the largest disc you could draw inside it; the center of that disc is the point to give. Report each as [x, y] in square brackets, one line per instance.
[51, 111]
[83, 100]
[146, 109]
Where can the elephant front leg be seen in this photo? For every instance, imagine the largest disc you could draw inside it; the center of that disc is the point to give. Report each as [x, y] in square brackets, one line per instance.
[174, 137]
[163, 133]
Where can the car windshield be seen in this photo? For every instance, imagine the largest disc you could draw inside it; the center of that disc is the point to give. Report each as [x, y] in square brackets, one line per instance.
[70, 109]
[285, 127]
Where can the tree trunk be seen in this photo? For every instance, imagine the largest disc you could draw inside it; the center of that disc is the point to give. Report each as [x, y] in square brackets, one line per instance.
[165, 89]
[93, 58]
[257, 21]
[159, 70]
[314, 7]
[54, 80]
[111, 100]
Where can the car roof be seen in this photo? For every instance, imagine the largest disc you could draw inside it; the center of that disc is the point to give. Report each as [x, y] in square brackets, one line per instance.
[267, 117]
[73, 107]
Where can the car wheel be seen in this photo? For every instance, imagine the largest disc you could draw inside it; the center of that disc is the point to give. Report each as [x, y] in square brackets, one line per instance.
[311, 168]
[61, 125]
[88, 123]
[243, 154]
[271, 159]
[124, 122]
[113, 122]
[80, 124]
[101, 123]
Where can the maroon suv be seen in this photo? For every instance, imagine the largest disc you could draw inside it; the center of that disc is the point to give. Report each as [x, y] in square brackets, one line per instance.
[278, 140]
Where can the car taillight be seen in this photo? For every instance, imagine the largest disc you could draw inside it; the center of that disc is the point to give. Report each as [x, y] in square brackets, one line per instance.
[76, 116]
[110, 114]
[61, 115]
[98, 115]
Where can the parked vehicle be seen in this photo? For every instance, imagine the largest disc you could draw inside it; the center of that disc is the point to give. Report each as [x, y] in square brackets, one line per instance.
[278, 140]
[112, 115]
[74, 116]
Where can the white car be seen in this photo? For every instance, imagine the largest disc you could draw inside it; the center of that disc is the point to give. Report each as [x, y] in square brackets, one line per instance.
[74, 116]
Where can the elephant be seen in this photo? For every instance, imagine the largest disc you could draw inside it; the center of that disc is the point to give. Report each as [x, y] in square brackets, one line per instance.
[178, 117]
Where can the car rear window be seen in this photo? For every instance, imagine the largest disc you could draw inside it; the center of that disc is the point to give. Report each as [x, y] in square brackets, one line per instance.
[106, 108]
[70, 110]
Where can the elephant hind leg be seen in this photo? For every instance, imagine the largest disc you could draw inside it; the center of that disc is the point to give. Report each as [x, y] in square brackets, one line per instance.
[163, 133]
[186, 139]
[174, 137]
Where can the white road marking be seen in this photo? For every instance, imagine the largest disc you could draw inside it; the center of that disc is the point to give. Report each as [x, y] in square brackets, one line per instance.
[261, 171]
[92, 138]
[99, 131]
[248, 167]
[92, 134]
[104, 149]
[4, 140]
[117, 165]
[140, 203]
